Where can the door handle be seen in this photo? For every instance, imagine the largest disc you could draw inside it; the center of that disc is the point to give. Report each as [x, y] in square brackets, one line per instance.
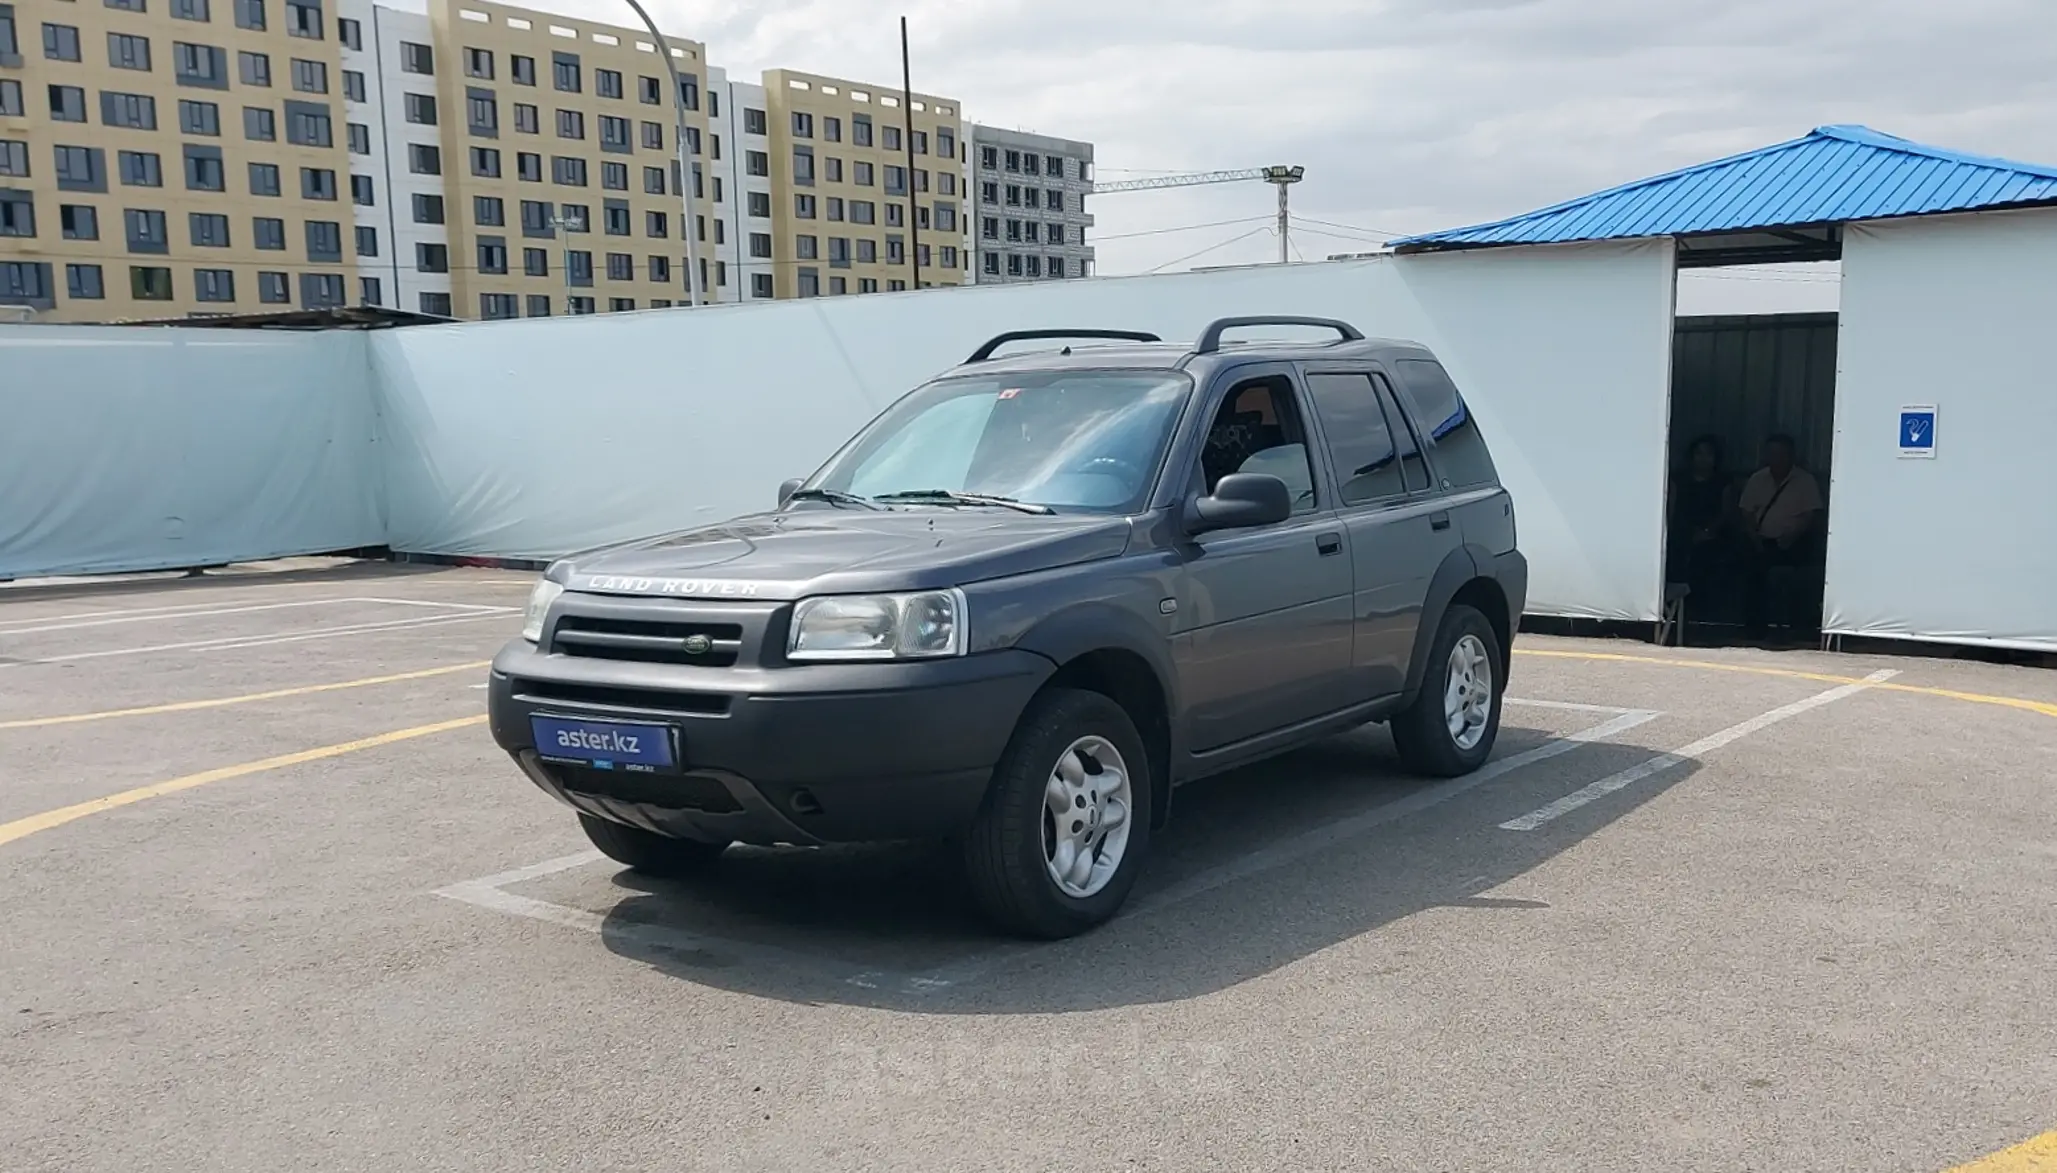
[1439, 521]
[1328, 543]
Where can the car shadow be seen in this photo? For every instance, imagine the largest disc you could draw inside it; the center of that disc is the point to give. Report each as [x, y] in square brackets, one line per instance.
[1258, 868]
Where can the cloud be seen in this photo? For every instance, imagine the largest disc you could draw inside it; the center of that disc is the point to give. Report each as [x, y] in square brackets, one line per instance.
[1411, 115]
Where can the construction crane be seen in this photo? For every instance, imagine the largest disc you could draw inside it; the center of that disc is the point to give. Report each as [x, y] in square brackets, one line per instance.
[1282, 177]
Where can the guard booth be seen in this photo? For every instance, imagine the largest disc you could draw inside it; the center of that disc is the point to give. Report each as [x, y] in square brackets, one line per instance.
[1739, 381]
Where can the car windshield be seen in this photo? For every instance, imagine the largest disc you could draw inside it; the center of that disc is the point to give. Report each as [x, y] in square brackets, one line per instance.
[1087, 440]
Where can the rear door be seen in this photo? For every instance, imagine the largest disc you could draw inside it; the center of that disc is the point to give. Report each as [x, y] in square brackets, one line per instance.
[1399, 532]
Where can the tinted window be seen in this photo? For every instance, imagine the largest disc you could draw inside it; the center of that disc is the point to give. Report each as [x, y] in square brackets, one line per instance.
[1459, 451]
[1360, 442]
[1412, 465]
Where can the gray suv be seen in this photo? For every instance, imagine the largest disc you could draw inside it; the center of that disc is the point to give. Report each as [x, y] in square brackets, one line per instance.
[1029, 600]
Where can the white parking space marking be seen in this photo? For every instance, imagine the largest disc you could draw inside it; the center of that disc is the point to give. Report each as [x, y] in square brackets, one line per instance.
[490, 891]
[225, 643]
[1679, 756]
[1568, 706]
[154, 615]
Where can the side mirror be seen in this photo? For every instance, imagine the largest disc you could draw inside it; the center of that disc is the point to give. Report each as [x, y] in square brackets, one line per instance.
[1240, 499]
[787, 489]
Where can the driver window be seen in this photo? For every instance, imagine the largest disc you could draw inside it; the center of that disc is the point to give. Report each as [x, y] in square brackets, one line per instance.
[1258, 430]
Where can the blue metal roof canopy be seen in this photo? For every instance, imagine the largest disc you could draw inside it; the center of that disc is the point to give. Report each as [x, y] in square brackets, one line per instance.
[1785, 202]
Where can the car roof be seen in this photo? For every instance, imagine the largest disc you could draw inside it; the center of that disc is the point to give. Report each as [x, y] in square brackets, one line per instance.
[1054, 355]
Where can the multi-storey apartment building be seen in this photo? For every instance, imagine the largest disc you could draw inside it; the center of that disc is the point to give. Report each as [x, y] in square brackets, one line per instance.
[1030, 211]
[846, 217]
[160, 156]
[471, 159]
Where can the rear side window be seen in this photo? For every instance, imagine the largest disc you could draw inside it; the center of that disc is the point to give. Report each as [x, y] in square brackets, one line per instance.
[1453, 436]
[1360, 440]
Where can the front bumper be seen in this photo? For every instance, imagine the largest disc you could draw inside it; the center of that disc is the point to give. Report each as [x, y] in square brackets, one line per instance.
[825, 753]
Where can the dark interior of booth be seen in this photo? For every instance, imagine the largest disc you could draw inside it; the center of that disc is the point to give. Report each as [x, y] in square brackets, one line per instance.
[1737, 383]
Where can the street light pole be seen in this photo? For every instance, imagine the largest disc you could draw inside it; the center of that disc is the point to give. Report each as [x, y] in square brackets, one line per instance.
[678, 93]
[1283, 177]
[913, 204]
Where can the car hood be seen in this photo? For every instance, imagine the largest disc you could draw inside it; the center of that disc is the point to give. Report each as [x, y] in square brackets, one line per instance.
[792, 554]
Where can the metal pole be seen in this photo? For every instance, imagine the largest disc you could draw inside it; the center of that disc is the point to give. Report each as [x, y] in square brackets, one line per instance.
[678, 93]
[913, 210]
[1285, 224]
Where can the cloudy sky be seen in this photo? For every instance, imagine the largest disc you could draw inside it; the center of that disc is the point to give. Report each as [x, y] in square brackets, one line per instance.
[1411, 114]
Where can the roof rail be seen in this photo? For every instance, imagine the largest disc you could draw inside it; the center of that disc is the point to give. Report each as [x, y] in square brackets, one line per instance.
[998, 340]
[1210, 338]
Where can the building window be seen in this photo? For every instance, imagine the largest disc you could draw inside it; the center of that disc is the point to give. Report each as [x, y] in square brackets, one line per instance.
[759, 203]
[269, 233]
[368, 291]
[989, 158]
[435, 303]
[760, 285]
[521, 69]
[571, 124]
[83, 282]
[1013, 195]
[803, 206]
[863, 174]
[568, 171]
[204, 169]
[921, 142]
[896, 216]
[760, 244]
[649, 91]
[254, 68]
[564, 73]
[417, 59]
[272, 289]
[946, 143]
[492, 255]
[653, 180]
[607, 83]
[134, 111]
[653, 136]
[1053, 233]
[264, 179]
[1013, 265]
[324, 240]
[946, 182]
[361, 191]
[200, 65]
[810, 283]
[141, 169]
[949, 256]
[149, 283]
[896, 250]
[621, 267]
[989, 227]
[127, 52]
[367, 241]
[478, 63]
[615, 219]
[860, 129]
[423, 159]
[350, 33]
[1028, 162]
[889, 138]
[539, 305]
[863, 212]
[79, 221]
[260, 125]
[432, 258]
[310, 77]
[839, 250]
[17, 214]
[428, 209]
[304, 21]
[832, 170]
[250, 14]
[660, 269]
[803, 124]
[991, 264]
[528, 167]
[656, 225]
[308, 127]
[536, 261]
[754, 122]
[421, 108]
[527, 119]
[989, 193]
[806, 247]
[14, 158]
[321, 290]
[482, 113]
[578, 267]
[81, 169]
[614, 134]
[490, 211]
[145, 230]
[214, 285]
[359, 137]
[833, 210]
[578, 305]
[867, 252]
[60, 42]
[1053, 200]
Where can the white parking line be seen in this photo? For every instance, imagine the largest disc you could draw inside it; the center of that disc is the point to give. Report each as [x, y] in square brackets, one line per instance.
[490, 891]
[169, 615]
[1567, 706]
[228, 642]
[1684, 753]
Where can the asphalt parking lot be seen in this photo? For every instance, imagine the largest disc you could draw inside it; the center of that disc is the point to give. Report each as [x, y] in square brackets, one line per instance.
[273, 900]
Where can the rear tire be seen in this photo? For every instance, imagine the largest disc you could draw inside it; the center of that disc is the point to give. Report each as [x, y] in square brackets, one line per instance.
[647, 852]
[1065, 825]
[1450, 728]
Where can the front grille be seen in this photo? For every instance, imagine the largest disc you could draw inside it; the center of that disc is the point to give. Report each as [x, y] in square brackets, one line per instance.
[669, 791]
[704, 645]
[630, 700]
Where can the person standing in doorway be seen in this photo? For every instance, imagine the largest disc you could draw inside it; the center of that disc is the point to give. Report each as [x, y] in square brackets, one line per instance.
[1702, 502]
[1780, 508]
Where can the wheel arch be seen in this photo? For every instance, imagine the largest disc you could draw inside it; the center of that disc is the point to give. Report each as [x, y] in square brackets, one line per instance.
[1459, 579]
[1117, 654]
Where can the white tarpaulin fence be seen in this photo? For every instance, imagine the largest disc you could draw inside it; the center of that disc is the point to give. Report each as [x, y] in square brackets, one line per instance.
[1958, 314]
[138, 448]
[536, 438]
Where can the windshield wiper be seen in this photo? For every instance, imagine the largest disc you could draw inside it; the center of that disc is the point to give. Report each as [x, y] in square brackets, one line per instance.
[952, 496]
[835, 496]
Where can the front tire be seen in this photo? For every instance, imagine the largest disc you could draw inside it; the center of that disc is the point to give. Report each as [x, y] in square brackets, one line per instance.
[1065, 825]
[1450, 728]
[647, 852]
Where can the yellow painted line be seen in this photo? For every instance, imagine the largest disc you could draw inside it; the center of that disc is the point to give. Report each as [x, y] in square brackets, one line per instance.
[22, 828]
[246, 698]
[2037, 1154]
[2046, 708]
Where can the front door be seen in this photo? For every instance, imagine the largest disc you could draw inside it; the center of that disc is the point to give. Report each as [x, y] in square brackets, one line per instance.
[1264, 621]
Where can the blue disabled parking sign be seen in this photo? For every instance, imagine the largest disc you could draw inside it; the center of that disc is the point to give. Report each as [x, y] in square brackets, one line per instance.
[1918, 430]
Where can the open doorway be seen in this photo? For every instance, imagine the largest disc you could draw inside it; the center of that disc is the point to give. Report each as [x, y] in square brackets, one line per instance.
[1751, 443]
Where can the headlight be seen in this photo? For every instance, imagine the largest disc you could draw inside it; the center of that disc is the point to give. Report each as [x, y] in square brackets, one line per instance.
[546, 593]
[878, 627]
